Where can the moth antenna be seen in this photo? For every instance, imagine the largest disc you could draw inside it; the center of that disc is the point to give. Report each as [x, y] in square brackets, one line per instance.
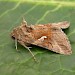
[24, 21]
[16, 44]
[30, 52]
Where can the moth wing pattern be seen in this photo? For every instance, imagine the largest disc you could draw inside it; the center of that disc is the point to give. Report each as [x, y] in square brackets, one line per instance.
[49, 36]
[62, 25]
[58, 42]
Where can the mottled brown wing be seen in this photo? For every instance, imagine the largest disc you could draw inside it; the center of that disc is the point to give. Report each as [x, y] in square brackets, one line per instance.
[62, 25]
[58, 42]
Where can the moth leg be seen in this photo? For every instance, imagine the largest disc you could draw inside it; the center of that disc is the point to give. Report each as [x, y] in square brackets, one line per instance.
[28, 48]
[16, 41]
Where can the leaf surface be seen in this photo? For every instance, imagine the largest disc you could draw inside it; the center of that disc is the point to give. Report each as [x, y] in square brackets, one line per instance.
[35, 12]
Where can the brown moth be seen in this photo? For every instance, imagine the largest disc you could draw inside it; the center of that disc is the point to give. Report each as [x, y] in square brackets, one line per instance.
[49, 36]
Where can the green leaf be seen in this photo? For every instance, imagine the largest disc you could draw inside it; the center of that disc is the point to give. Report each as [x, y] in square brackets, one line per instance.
[35, 12]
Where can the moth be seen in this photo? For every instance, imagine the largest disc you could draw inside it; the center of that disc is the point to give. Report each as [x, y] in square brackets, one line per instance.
[49, 36]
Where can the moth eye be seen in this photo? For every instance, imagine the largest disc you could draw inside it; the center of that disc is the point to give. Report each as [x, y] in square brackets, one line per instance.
[13, 37]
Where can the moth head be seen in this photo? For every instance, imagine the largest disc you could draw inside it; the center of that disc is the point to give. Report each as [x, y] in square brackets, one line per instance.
[17, 31]
[14, 33]
[22, 32]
